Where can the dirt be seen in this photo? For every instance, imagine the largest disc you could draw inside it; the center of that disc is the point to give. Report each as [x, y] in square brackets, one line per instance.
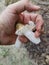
[33, 54]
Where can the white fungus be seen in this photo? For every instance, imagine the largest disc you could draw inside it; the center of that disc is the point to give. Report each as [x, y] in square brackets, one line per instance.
[27, 31]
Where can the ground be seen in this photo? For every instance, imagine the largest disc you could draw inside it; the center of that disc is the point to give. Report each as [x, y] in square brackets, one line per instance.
[31, 54]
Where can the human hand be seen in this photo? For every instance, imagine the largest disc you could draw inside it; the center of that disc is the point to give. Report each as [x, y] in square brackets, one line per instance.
[12, 14]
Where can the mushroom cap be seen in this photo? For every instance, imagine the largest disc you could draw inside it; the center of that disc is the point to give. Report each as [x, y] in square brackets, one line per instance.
[19, 26]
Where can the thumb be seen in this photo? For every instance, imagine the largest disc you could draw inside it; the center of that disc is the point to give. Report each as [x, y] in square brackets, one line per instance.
[22, 5]
[31, 7]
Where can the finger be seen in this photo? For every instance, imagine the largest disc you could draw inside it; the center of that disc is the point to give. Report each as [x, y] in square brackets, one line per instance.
[33, 17]
[39, 23]
[17, 7]
[37, 33]
[23, 39]
[31, 7]
[20, 6]
[24, 18]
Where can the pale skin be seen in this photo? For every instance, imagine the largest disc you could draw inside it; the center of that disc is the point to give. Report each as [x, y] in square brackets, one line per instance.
[12, 15]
